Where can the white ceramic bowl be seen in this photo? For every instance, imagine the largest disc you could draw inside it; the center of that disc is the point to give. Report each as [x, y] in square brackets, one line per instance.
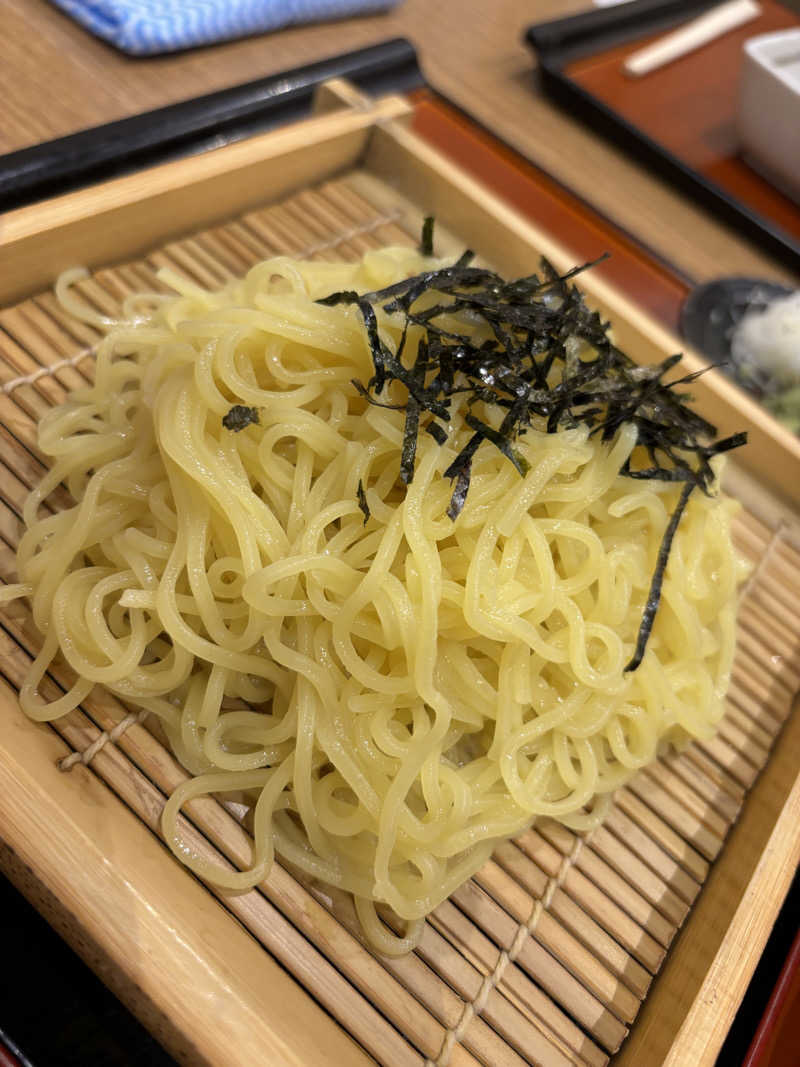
[769, 108]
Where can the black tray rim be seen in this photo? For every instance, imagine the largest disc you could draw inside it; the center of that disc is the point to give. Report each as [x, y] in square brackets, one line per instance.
[560, 41]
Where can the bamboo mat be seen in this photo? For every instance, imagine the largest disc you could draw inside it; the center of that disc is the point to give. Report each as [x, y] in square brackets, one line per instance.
[546, 955]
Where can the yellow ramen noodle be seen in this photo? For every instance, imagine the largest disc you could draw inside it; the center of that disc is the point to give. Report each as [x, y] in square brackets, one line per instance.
[393, 694]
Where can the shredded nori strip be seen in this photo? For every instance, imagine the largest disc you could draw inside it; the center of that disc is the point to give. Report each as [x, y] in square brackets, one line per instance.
[362, 501]
[240, 416]
[437, 432]
[410, 433]
[426, 240]
[543, 360]
[654, 595]
[500, 442]
[361, 388]
[459, 492]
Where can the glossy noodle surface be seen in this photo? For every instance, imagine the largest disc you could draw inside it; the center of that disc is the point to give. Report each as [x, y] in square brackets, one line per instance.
[393, 691]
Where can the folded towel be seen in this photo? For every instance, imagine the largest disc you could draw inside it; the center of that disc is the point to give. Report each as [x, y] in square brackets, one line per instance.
[147, 27]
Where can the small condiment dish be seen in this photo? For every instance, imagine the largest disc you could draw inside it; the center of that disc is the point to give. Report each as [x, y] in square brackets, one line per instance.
[769, 108]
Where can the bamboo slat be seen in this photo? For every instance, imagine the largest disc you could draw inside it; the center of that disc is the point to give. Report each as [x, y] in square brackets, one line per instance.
[577, 922]
[547, 954]
[721, 801]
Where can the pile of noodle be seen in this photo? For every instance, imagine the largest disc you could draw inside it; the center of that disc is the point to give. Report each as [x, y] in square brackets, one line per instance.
[393, 693]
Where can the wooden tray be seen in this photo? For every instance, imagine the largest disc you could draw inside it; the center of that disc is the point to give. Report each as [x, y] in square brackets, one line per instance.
[652, 284]
[681, 118]
[278, 974]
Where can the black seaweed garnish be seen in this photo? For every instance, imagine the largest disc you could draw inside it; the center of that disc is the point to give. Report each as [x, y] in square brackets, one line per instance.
[542, 360]
[362, 501]
[437, 432]
[426, 240]
[654, 595]
[240, 416]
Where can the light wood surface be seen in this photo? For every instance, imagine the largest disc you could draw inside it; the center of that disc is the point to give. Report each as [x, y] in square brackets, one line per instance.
[105, 224]
[55, 78]
[707, 972]
[601, 910]
[116, 894]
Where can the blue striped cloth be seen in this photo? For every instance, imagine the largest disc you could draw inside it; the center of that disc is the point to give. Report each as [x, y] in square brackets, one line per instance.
[147, 27]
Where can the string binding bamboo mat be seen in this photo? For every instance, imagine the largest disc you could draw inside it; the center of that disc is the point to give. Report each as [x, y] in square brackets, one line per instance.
[547, 954]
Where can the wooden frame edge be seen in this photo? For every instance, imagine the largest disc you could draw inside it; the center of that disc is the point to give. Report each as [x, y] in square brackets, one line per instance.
[104, 224]
[129, 897]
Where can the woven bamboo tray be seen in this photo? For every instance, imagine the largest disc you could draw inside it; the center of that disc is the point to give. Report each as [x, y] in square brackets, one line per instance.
[548, 955]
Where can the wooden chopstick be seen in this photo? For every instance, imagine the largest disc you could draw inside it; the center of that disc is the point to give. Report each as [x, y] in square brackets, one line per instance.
[693, 35]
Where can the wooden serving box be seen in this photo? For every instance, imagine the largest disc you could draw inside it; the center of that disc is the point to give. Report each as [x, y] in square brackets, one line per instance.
[650, 927]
